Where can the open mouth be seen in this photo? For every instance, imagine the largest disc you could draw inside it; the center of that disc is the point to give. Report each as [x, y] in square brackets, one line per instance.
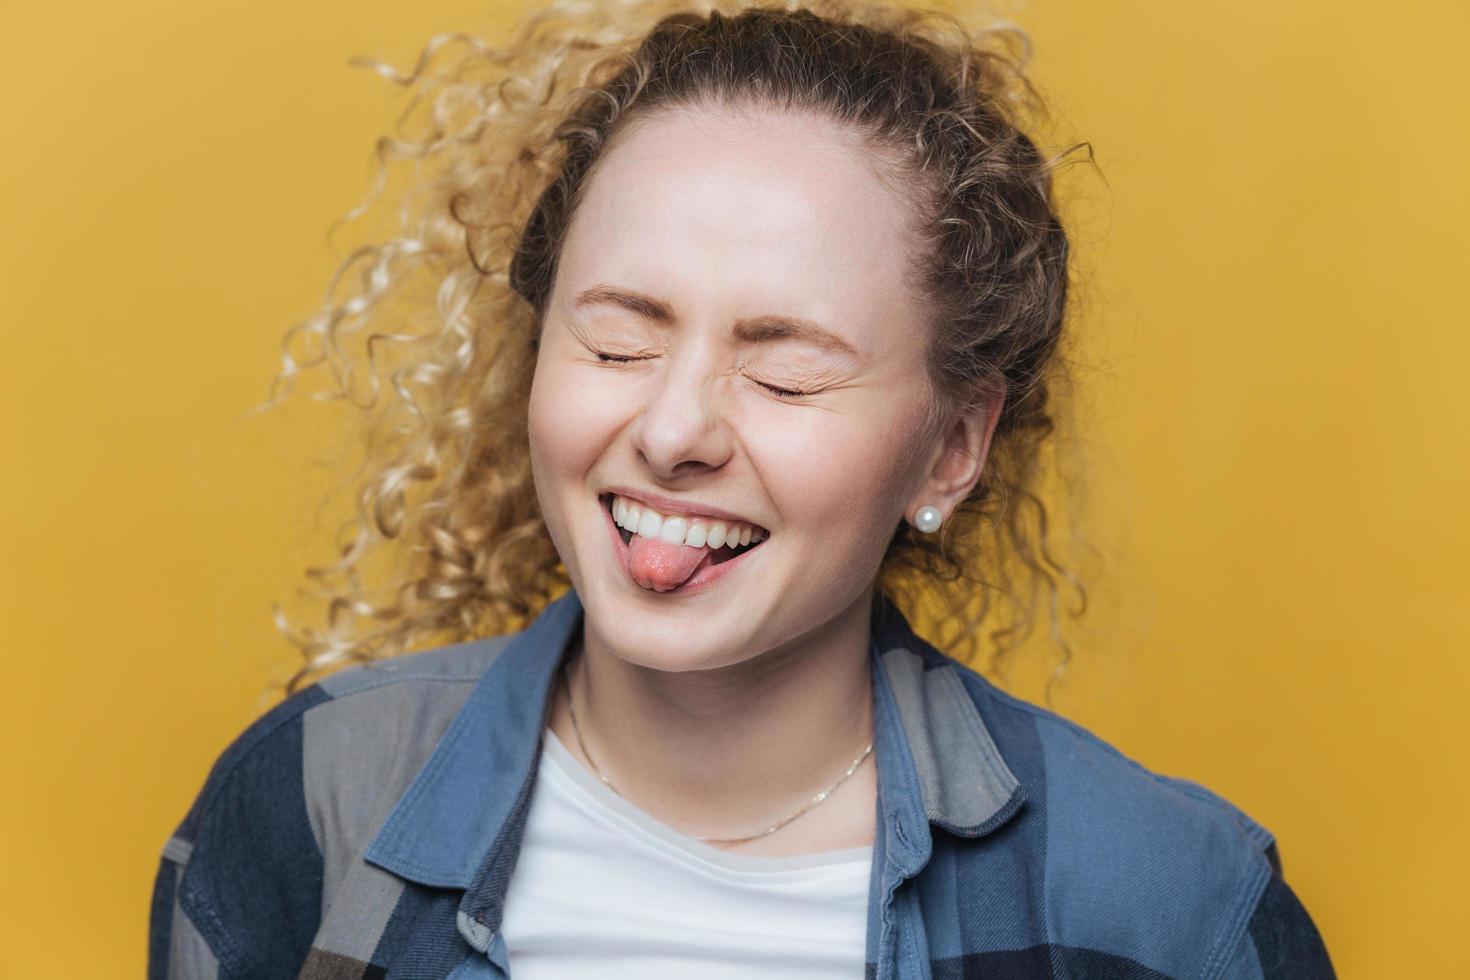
[718, 556]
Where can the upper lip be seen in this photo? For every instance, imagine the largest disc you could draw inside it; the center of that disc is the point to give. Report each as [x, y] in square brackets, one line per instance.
[689, 508]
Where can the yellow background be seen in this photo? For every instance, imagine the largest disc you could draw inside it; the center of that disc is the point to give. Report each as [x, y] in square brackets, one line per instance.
[1279, 386]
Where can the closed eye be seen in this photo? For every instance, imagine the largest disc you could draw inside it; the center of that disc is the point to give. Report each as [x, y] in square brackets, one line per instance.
[783, 392]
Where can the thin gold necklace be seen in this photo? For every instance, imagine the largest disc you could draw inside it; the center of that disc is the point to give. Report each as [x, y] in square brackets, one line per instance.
[567, 680]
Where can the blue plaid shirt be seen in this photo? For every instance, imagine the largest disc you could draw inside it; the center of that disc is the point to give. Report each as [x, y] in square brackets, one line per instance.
[367, 828]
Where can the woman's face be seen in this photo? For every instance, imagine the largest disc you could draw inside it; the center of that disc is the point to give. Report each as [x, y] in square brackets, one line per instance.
[719, 257]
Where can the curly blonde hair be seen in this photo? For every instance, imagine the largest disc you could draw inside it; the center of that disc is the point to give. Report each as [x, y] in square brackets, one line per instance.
[432, 332]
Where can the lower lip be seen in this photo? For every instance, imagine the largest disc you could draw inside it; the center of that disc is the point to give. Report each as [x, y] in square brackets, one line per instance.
[701, 580]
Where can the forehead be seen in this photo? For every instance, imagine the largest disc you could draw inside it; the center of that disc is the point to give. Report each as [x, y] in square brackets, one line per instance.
[729, 214]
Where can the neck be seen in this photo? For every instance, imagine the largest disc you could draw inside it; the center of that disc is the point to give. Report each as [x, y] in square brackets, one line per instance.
[727, 751]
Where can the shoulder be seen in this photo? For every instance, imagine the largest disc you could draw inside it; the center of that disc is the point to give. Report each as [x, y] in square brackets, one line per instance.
[289, 804]
[377, 723]
[1155, 867]
[355, 724]
[1076, 769]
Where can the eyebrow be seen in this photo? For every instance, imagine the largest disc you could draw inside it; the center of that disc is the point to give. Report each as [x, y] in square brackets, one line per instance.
[753, 330]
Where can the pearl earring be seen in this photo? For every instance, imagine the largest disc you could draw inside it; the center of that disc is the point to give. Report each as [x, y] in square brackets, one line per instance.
[928, 519]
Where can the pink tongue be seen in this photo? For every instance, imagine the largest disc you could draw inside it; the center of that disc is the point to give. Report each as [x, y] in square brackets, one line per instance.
[658, 565]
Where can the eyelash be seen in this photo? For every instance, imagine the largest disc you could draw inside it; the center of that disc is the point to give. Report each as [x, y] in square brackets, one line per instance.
[783, 393]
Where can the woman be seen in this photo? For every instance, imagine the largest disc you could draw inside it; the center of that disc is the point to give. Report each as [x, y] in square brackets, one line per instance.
[781, 321]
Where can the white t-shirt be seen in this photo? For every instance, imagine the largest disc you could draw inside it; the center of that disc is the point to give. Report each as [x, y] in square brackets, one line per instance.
[602, 889]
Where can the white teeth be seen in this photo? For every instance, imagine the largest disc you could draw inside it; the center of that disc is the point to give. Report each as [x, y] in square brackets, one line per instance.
[673, 530]
[693, 532]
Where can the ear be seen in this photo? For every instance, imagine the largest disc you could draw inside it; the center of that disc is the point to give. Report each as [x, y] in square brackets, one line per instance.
[957, 461]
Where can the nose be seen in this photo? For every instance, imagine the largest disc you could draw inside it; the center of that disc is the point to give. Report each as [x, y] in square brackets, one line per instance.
[681, 430]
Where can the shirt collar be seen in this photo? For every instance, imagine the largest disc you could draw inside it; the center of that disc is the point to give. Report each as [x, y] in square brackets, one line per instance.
[459, 824]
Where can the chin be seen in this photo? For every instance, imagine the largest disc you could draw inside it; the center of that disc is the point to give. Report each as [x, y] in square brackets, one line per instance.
[668, 645]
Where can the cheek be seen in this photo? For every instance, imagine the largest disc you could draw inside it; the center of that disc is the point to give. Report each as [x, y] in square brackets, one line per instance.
[546, 416]
[570, 418]
[832, 472]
